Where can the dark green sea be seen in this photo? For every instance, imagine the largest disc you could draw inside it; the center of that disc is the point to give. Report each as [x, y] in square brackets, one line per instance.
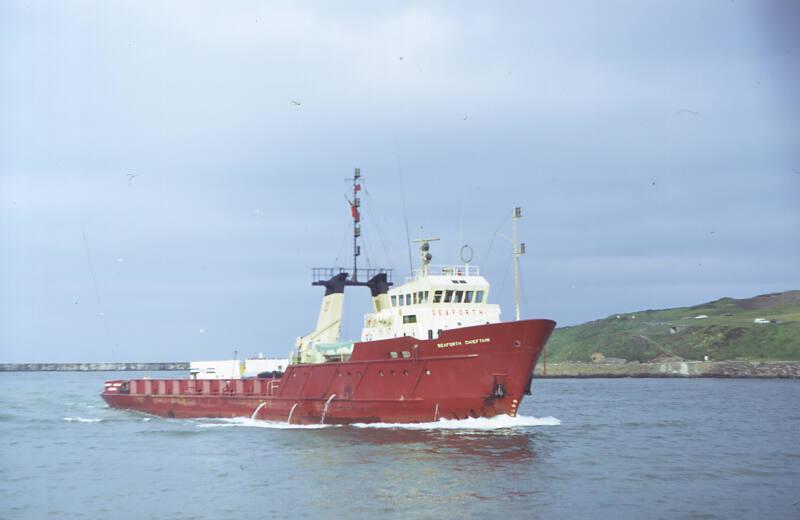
[582, 448]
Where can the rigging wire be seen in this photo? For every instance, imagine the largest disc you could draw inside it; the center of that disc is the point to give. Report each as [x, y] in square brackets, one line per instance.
[408, 235]
[366, 249]
[491, 242]
[461, 223]
[91, 269]
[96, 287]
[505, 277]
[374, 220]
[342, 244]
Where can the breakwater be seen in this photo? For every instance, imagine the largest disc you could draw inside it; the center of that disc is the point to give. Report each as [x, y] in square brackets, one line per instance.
[744, 369]
[91, 367]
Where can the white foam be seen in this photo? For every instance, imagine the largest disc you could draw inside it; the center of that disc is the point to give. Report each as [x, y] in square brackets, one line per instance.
[81, 420]
[480, 423]
[254, 423]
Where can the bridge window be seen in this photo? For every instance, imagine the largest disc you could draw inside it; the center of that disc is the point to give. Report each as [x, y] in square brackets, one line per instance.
[401, 300]
[394, 300]
[424, 296]
[437, 296]
[459, 296]
[393, 355]
[410, 318]
[468, 297]
[478, 296]
[448, 296]
[408, 299]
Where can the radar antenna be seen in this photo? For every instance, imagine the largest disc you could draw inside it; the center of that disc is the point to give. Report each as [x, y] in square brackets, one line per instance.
[424, 250]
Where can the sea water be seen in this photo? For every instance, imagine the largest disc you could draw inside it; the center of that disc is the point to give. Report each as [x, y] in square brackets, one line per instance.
[590, 448]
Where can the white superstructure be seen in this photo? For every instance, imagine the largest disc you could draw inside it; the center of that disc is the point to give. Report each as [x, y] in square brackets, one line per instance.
[236, 369]
[437, 298]
[225, 369]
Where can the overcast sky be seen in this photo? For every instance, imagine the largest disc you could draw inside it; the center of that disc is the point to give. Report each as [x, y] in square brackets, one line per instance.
[653, 146]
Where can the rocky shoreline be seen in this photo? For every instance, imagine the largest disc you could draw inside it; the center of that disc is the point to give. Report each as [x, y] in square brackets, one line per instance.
[688, 369]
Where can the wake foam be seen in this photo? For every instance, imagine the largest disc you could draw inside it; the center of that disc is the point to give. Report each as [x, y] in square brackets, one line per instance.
[81, 420]
[497, 422]
[255, 423]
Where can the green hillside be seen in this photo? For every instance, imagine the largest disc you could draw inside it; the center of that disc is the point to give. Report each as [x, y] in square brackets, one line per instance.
[727, 332]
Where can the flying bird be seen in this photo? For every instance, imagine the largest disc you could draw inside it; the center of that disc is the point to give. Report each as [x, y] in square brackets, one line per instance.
[687, 111]
[131, 176]
[296, 103]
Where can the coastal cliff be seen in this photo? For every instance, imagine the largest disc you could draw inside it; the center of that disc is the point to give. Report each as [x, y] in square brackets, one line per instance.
[762, 328]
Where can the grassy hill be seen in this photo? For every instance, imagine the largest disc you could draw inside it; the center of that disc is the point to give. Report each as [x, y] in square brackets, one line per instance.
[727, 332]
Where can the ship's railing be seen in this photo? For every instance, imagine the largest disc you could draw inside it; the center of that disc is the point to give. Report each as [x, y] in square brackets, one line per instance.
[323, 274]
[450, 270]
[255, 386]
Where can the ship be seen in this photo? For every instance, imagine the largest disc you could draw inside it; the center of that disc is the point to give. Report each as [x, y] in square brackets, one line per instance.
[432, 348]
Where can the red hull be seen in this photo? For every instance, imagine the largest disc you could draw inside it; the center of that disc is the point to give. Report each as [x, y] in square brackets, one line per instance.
[479, 371]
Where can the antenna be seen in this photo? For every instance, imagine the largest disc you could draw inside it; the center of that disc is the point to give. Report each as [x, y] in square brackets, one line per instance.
[424, 249]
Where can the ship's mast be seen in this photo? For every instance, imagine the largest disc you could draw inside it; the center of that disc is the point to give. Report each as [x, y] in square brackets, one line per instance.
[354, 209]
[519, 250]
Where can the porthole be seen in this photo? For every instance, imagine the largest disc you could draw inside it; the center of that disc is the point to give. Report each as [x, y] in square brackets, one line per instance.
[392, 372]
[380, 373]
[517, 343]
[405, 372]
[427, 372]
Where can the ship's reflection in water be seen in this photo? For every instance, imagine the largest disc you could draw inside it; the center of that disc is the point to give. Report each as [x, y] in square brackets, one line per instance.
[490, 447]
[430, 472]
